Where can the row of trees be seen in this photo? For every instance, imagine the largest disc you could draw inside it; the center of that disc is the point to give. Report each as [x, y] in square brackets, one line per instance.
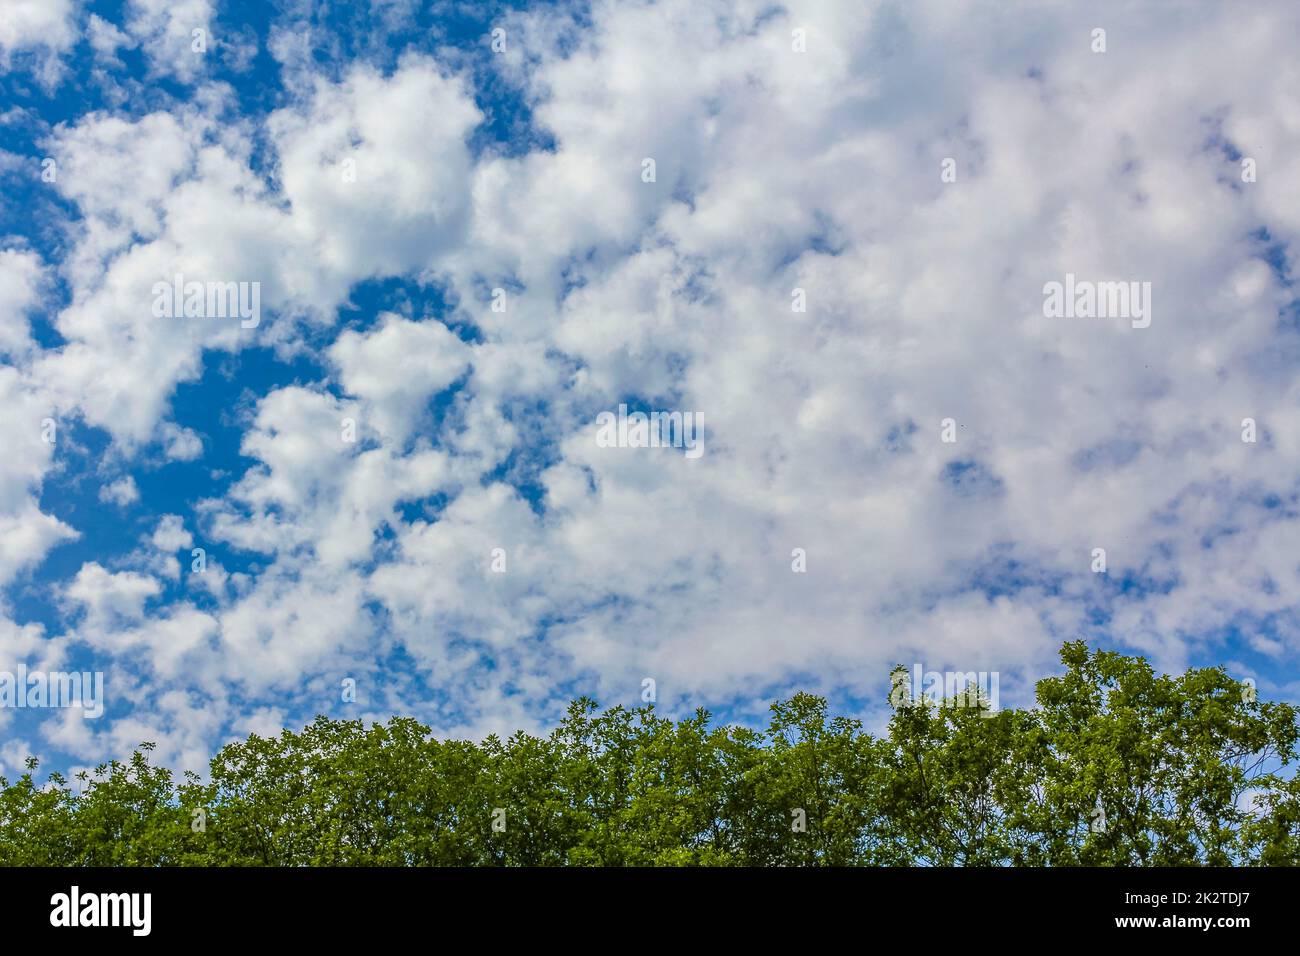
[1117, 765]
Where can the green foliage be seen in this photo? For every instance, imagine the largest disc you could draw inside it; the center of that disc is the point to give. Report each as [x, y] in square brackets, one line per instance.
[1116, 766]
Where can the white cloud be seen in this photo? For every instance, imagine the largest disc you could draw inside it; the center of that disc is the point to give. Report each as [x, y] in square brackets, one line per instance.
[28, 420]
[21, 276]
[45, 27]
[170, 534]
[110, 598]
[316, 489]
[106, 39]
[775, 170]
[173, 194]
[376, 169]
[121, 492]
[396, 368]
[180, 444]
[166, 31]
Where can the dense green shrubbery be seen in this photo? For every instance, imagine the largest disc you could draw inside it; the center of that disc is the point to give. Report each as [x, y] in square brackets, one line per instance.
[1177, 764]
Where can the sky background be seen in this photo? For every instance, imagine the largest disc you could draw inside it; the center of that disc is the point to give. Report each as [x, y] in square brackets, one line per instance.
[521, 169]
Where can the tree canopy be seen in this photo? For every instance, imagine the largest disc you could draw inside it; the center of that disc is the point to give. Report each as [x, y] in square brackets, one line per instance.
[1116, 765]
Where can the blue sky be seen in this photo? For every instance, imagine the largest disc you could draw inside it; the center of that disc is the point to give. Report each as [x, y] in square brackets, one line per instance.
[459, 252]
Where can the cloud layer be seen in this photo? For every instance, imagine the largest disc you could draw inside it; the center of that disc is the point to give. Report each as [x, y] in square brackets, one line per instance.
[854, 210]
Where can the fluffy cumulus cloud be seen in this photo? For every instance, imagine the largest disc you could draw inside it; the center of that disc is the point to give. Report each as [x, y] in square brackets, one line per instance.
[26, 531]
[173, 33]
[824, 231]
[38, 31]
